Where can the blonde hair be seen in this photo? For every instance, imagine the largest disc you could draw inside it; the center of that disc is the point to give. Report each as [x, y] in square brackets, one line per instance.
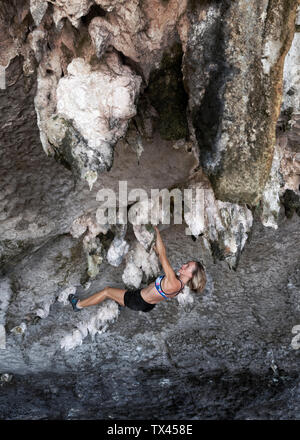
[198, 281]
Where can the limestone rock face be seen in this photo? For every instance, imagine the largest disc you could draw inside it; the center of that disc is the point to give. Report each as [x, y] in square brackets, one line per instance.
[224, 226]
[72, 10]
[142, 30]
[283, 184]
[138, 99]
[291, 75]
[38, 9]
[232, 77]
[99, 104]
[233, 70]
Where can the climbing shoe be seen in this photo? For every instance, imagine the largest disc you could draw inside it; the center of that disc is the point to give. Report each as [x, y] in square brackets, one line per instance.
[73, 300]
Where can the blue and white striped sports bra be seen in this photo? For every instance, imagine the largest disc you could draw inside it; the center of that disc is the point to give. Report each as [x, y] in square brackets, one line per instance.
[159, 288]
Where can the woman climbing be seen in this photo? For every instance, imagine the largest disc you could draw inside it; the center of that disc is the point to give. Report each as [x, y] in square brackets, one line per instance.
[165, 286]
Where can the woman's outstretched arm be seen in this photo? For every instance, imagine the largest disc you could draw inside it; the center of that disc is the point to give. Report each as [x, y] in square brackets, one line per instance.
[167, 268]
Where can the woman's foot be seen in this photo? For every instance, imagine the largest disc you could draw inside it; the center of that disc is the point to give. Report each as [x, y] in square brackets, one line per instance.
[74, 300]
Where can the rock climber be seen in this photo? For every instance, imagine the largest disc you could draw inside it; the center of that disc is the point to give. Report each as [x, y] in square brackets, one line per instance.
[165, 286]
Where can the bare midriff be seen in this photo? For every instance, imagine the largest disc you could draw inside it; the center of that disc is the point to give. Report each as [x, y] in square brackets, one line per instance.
[151, 295]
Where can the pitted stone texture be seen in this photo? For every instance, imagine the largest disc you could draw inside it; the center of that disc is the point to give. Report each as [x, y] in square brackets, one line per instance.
[234, 80]
[285, 171]
[141, 30]
[41, 277]
[141, 266]
[119, 246]
[271, 196]
[38, 198]
[284, 175]
[91, 324]
[100, 37]
[14, 21]
[232, 331]
[239, 331]
[31, 200]
[291, 75]
[73, 10]
[6, 292]
[290, 169]
[54, 50]
[99, 103]
[38, 9]
[201, 396]
[48, 75]
[87, 222]
[224, 226]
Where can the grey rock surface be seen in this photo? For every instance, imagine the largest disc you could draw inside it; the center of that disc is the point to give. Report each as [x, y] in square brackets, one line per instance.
[233, 344]
[39, 198]
[233, 72]
[205, 85]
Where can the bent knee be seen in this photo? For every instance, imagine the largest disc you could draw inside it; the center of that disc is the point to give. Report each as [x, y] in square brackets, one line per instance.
[106, 290]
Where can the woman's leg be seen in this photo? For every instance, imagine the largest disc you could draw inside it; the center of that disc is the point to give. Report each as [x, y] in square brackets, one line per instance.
[106, 293]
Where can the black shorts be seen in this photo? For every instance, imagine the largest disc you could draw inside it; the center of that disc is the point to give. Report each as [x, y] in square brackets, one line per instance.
[133, 300]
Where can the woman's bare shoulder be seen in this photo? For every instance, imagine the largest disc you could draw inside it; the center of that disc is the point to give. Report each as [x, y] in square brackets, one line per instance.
[173, 285]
